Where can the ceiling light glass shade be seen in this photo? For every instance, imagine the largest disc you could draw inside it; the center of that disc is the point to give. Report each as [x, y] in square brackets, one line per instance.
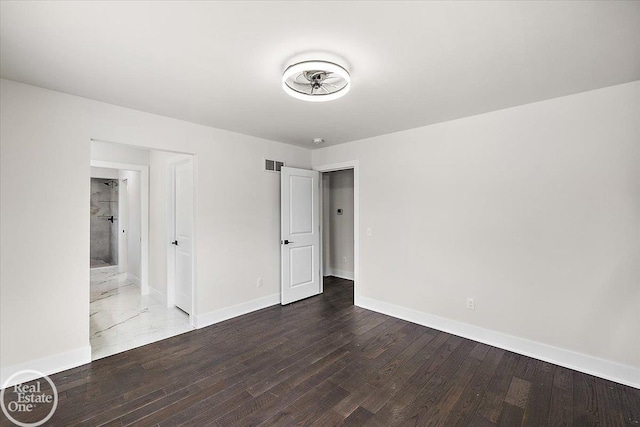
[316, 81]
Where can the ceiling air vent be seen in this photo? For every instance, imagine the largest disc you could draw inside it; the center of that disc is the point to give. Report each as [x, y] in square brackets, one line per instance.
[273, 165]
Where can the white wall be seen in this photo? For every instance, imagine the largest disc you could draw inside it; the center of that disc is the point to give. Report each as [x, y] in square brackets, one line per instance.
[105, 173]
[46, 134]
[118, 153]
[340, 229]
[134, 231]
[158, 205]
[44, 309]
[533, 211]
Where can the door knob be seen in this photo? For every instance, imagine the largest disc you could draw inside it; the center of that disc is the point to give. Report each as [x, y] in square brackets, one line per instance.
[175, 242]
[286, 242]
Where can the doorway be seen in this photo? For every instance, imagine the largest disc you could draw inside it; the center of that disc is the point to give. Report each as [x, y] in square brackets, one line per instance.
[354, 166]
[129, 213]
[338, 224]
[337, 194]
[129, 303]
[298, 201]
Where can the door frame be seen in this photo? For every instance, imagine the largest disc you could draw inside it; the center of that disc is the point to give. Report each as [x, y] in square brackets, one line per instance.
[170, 231]
[144, 215]
[123, 222]
[333, 167]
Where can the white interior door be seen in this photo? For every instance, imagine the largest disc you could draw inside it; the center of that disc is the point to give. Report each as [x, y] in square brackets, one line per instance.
[183, 242]
[300, 234]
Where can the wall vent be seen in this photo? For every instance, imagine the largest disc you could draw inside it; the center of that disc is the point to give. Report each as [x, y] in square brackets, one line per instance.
[273, 165]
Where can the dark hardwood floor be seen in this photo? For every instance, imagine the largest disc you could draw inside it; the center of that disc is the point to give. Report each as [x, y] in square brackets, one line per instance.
[323, 361]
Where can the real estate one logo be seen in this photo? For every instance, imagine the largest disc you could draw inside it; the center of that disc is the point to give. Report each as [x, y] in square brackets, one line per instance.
[29, 403]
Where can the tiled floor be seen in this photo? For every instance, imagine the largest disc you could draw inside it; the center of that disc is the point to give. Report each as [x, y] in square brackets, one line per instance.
[98, 263]
[122, 319]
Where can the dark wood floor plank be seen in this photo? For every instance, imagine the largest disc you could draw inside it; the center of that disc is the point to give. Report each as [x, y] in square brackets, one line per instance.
[235, 385]
[301, 361]
[526, 368]
[323, 361]
[406, 371]
[561, 411]
[393, 409]
[313, 409]
[608, 397]
[300, 405]
[93, 401]
[112, 413]
[518, 393]
[510, 416]
[434, 402]
[389, 371]
[329, 419]
[287, 392]
[585, 404]
[536, 412]
[282, 418]
[217, 405]
[371, 363]
[630, 405]
[491, 404]
[358, 418]
[353, 401]
[464, 411]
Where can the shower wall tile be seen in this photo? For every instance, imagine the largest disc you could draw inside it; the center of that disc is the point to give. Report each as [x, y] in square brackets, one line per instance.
[103, 233]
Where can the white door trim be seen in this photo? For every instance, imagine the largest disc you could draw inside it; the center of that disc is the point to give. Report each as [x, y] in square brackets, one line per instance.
[355, 165]
[123, 223]
[144, 215]
[170, 229]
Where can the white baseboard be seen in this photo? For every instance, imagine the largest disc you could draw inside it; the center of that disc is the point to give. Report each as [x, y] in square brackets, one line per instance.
[157, 295]
[602, 368]
[343, 274]
[134, 279]
[207, 319]
[47, 365]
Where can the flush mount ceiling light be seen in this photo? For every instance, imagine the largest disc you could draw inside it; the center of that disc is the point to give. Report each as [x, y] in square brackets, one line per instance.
[316, 81]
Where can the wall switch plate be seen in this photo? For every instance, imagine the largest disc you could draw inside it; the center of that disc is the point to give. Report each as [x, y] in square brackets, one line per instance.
[344, 259]
[259, 282]
[471, 304]
[369, 232]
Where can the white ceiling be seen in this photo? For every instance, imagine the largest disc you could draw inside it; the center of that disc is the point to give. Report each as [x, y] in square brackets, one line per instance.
[412, 63]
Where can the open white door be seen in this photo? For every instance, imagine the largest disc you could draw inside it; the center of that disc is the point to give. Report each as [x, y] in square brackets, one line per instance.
[300, 234]
[183, 243]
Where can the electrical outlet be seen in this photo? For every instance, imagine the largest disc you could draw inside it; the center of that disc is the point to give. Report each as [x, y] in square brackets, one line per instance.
[471, 304]
[344, 259]
[259, 282]
[369, 232]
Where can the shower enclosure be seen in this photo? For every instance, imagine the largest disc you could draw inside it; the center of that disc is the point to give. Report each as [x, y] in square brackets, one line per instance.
[104, 222]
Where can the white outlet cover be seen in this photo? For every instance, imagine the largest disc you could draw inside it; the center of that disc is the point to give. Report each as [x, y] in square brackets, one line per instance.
[471, 304]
